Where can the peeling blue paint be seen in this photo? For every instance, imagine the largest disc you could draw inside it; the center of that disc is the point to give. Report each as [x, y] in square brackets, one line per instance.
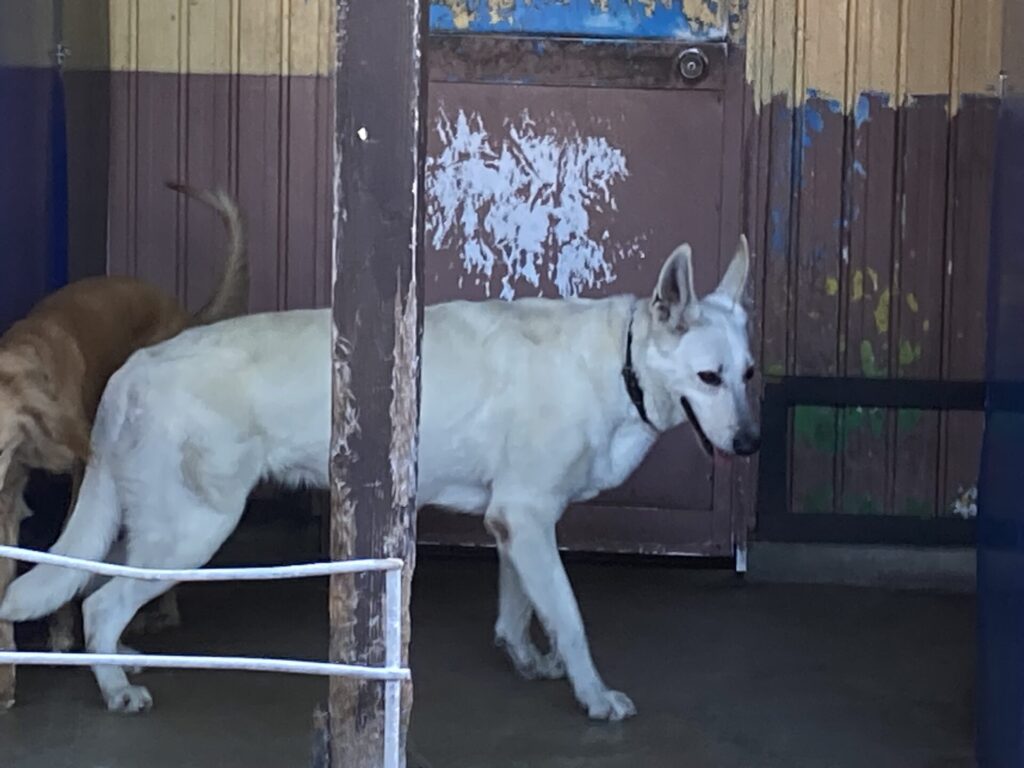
[833, 105]
[796, 165]
[813, 122]
[778, 233]
[862, 111]
[849, 216]
[859, 169]
[624, 18]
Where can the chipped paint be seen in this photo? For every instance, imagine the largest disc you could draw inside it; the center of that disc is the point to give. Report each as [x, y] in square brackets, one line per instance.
[685, 20]
[403, 409]
[873, 277]
[519, 205]
[461, 16]
[857, 286]
[813, 124]
[909, 353]
[703, 14]
[500, 10]
[882, 312]
[778, 234]
[965, 504]
[862, 112]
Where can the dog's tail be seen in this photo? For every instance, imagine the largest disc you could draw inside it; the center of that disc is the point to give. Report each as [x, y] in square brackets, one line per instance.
[88, 536]
[232, 295]
[89, 532]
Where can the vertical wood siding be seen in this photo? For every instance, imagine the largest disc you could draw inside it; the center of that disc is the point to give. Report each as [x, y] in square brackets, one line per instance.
[231, 94]
[875, 122]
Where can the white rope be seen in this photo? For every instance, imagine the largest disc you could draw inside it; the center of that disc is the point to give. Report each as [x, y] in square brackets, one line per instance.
[308, 570]
[392, 658]
[392, 674]
[236, 663]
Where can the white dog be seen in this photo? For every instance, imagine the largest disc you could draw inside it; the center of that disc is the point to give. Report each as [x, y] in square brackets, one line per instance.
[527, 406]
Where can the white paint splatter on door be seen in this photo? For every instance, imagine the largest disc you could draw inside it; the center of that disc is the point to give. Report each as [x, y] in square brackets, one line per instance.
[525, 203]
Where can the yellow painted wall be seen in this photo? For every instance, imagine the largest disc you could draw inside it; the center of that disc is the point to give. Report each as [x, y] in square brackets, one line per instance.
[840, 49]
[251, 37]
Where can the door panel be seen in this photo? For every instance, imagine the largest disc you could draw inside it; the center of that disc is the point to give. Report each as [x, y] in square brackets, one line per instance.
[543, 181]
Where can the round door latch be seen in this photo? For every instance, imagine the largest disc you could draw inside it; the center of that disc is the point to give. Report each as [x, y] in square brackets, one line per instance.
[693, 64]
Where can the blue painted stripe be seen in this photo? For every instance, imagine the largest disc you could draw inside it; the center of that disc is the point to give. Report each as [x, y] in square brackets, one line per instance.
[622, 19]
[33, 189]
[57, 207]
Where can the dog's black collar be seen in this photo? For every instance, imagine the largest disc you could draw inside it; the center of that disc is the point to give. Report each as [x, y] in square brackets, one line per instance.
[633, 388]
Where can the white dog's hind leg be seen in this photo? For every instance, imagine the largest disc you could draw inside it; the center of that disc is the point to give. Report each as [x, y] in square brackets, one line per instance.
[512, 629]
[533, 551]
[168, 527]
[106, 614]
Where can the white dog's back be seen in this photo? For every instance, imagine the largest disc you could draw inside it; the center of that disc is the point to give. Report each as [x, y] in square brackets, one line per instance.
[245, 399]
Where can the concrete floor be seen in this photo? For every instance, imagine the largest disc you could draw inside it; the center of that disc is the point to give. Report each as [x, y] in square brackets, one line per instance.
[725, 675]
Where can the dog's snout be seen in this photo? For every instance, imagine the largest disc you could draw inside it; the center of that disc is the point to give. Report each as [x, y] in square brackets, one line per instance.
[746, 443]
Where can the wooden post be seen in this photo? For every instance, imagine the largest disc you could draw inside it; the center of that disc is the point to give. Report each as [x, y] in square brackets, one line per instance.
[10, 523]
[378, 318]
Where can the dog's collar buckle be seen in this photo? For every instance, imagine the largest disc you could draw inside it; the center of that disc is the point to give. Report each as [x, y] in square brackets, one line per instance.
[629, 378]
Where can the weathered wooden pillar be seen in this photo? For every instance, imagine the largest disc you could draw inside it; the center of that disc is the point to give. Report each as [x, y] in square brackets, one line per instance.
[9, 525]
[11, 515]
[378, 315]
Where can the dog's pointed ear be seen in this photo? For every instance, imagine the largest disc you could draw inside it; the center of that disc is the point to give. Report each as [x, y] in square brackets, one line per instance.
[735, 279]
[675, 302]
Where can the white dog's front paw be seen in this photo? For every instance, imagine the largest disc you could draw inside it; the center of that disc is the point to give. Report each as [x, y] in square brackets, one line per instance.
[130, 700]
[610, 705]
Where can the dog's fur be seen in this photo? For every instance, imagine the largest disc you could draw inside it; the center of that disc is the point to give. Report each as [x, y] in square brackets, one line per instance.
[55, 363]
[524, 410]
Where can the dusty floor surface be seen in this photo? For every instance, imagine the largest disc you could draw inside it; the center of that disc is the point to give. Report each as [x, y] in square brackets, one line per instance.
[725, 675]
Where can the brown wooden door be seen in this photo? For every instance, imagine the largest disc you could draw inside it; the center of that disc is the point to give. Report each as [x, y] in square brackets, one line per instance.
[560, 168]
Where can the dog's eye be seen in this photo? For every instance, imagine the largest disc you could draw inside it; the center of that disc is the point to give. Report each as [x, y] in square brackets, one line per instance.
[710, 378]
[749, 374]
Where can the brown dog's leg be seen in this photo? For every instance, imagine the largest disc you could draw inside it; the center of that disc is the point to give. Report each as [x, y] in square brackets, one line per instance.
[156, 617]
[63, 637]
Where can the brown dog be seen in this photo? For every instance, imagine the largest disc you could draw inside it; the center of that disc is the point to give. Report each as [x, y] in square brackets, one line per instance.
[54, 365]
